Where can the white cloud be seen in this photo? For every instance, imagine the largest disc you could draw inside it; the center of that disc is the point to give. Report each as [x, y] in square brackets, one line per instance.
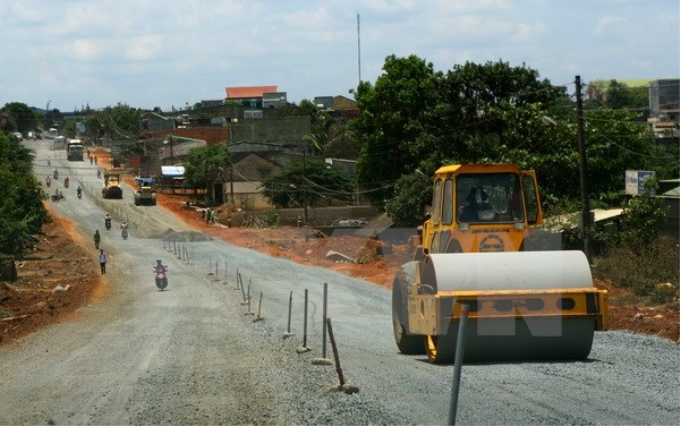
[144, 47]
[113, 49]
[606, 22]
[84, 49]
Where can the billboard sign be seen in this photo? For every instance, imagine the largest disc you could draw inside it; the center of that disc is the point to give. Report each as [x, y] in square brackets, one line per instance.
[635, 181]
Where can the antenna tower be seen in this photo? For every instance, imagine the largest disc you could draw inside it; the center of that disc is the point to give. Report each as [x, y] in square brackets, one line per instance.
[359, 45]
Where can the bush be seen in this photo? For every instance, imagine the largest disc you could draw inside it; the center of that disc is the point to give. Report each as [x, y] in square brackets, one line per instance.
[644, 270]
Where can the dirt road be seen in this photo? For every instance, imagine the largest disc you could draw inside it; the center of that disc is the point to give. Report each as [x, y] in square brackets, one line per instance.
[194, 354]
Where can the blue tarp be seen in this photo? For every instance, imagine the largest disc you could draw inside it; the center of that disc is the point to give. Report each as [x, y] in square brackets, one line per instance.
[144, 181]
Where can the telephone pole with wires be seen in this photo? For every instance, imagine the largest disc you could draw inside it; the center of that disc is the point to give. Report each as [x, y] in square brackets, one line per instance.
[585, 221]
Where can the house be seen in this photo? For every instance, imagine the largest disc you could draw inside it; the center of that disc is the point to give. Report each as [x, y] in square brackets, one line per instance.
[246, 174]
[339, 107]
[249, 96]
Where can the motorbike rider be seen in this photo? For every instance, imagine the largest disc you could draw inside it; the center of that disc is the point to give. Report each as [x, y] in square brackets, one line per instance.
[56, 174]
[124, 229]
[161, 278]
[48, 181]
[107, 221]
[159, 267]
[66, 181]
[79, 191]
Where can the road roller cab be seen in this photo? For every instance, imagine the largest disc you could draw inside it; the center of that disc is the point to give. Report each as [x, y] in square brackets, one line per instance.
[474, 248]
[480, 208]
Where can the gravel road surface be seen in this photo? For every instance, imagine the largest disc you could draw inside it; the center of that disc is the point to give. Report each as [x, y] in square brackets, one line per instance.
[194, 355]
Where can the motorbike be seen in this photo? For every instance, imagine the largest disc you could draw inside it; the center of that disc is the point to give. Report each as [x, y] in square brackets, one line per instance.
[161, 278]
[107, 223]
[79, 191]
[66, 183]
[124, 233]
[48, 182]
[57, 197]
[56, 174]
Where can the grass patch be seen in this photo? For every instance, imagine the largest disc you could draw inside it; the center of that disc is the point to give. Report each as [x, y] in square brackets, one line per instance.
[651, 271]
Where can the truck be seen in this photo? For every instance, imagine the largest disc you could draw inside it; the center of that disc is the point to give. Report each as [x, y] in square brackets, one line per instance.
[473, 256]
[112, 187]
[75, 150]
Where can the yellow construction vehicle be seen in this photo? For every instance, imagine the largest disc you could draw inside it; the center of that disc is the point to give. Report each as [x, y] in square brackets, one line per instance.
[474, 249]
[145, 195]
[112, 187]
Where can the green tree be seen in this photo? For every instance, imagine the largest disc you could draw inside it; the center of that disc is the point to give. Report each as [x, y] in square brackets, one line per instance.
[22, 120]
[621, 96]
[312, 181]
[121, 123]
[471, 114]
[394, 112]
[412, 193]
[643, 217]
[205, 165]
[22, 213]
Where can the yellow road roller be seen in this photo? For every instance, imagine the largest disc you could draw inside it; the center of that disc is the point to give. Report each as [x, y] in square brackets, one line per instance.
[527, 299]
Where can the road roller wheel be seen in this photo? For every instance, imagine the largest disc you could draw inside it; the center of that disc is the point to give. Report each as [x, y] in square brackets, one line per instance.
[409, 344]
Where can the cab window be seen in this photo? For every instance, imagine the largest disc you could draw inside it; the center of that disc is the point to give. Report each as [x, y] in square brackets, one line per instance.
[437, 202]
[447, 208]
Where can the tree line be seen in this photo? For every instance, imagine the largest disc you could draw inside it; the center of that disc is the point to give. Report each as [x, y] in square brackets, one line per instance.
[413, 119]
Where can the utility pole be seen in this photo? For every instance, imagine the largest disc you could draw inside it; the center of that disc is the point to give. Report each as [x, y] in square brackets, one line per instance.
[583, 169]
[304, 183]
[231, 183]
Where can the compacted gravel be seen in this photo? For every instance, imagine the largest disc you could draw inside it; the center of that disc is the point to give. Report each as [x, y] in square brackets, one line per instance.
[196, 354]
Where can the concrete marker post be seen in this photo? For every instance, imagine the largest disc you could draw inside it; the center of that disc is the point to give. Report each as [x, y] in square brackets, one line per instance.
[458, 362]
[304, 347]
[249, 312]
[323, 360]
[259, 310]
[344, 386]
[287, 334]
[243, 290]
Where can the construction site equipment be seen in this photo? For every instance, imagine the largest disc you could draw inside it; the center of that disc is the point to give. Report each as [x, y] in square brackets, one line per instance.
[474, 248]
[112, 187]
[145, 195]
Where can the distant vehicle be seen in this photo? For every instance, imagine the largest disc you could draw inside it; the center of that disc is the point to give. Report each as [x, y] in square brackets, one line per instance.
[52, 133]
[59, 142]
[75, 150]
[18, 135]
[112, 187]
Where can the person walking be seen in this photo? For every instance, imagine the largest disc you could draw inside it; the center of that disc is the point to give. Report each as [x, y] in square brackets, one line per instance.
[97, 239]
[102, 261]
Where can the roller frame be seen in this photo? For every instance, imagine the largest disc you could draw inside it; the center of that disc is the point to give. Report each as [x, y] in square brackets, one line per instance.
[432, 314]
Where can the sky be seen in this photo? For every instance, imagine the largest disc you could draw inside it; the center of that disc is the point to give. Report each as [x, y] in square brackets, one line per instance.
[70, 54]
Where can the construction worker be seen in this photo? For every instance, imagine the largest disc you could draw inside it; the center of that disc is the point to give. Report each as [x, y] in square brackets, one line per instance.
[97, 239]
